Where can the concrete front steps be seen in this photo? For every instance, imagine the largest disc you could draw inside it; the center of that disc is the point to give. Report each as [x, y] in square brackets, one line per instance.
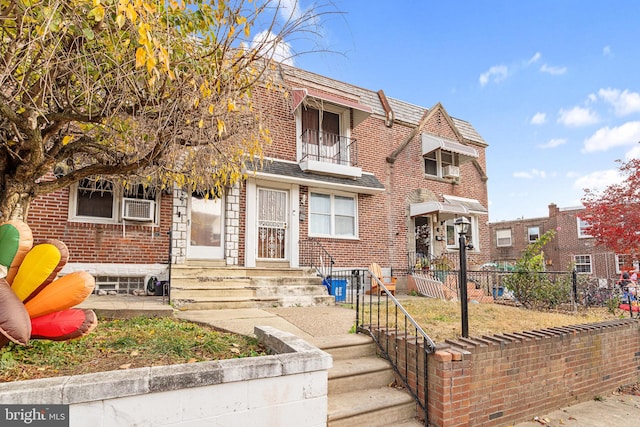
[361, 386]
[202, 287]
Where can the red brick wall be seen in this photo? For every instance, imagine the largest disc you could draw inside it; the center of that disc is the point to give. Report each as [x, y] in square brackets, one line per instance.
[100, 243]
[502, 379]
[560, 252]
[382, 227]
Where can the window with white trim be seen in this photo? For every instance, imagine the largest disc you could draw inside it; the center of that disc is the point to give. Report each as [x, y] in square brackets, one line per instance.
[583, 228]
[533, 234]
[99, 201]
[436, 162]
[452, 236]
[503, 237]
[582, 263]
[324, 133]
[626, 262]
[332, 215]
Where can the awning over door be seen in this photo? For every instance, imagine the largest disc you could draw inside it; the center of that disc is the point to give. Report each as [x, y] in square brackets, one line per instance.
[299, 96]
[432, 142]
[448, 208]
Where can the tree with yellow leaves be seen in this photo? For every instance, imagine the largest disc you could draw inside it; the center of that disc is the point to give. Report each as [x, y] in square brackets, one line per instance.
[157, 92]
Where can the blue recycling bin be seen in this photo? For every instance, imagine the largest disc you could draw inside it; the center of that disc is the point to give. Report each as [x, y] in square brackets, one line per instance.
[339, 289]
[498, 292]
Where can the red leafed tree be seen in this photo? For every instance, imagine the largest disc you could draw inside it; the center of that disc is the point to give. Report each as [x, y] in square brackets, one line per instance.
[614, 213]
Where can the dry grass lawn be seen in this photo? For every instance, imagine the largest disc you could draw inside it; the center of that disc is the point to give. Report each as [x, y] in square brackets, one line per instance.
[441, 319]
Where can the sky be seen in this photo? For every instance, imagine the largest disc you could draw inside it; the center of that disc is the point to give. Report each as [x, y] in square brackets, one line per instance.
[552, 86]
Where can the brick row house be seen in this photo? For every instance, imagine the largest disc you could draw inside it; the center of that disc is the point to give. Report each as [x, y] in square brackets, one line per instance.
[572, 246]
[370, 178]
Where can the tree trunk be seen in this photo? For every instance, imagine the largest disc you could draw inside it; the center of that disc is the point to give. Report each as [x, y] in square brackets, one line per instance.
[15, 199]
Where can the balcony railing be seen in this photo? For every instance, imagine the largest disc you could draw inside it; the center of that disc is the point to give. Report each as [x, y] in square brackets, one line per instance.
[329, 148]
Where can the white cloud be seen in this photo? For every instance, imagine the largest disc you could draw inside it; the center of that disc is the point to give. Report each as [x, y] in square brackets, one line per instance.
[268, 45]
[553, 143]
[606, 137]
[606, 51]
[497, 73]
[634, 153]
[624, 102]
[533, 173]
[577, 116]
[553, 70]
[290, 9]
[535, 58]
[539, 119]
[598, 180]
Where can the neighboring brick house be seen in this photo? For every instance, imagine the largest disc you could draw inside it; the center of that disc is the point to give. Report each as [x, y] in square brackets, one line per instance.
[571, 247]
[372, 179]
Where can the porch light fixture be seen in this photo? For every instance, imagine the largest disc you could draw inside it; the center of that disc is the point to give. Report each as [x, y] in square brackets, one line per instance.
[462, 227]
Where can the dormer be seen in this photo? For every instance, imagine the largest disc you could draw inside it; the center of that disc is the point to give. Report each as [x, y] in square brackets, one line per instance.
[323, 132]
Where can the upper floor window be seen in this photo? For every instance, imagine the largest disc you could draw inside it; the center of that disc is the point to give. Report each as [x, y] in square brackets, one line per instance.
[583, 228]
[442, 164]
[332, 215]
[92, 200]
[583, 263]
[533, 234]
[323, 136]
[503, 237]
[452, 236]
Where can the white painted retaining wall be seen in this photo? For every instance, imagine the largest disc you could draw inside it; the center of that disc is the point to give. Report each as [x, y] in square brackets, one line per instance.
[286, 389]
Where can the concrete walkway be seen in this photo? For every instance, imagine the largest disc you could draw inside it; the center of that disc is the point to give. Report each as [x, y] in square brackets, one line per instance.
[319, 324]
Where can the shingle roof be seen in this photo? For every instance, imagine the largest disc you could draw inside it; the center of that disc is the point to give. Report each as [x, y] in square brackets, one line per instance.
[364, 184]
[403, 111]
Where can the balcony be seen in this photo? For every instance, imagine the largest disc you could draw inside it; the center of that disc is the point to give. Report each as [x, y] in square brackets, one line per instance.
[329, 154]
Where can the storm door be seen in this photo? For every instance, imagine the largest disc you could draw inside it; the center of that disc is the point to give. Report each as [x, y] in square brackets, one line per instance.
[272, 224]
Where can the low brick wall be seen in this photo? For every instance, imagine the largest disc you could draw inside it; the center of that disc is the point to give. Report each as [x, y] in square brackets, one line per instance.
[502, 379]
[286, 389]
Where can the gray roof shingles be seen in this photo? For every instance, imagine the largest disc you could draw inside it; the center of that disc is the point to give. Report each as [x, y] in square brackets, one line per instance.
[403, 111]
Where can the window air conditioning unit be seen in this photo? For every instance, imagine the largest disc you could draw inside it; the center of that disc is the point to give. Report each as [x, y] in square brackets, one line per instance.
[451, 171]
[138, 209]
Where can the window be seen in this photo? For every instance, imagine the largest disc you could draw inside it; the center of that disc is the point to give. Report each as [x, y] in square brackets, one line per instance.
[583, 228]
[533, 234]
[332, 215]
[452, 236]
[95, 199]
[503, 237]
[625, 262]
[99, 201]
[436, 161]
[583, 264]
[322, 136]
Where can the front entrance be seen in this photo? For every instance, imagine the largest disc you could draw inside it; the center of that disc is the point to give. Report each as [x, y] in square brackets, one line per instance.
[272, 224]
[206, 228]
[423, 238]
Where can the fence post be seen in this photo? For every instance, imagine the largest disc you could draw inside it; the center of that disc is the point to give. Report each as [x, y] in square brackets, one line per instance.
[574, 282]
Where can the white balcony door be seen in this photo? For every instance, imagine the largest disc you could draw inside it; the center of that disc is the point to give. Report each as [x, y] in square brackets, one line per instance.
[206, 228]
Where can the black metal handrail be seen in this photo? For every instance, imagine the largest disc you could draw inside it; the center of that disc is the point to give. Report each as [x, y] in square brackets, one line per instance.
[315, 256]
[329, 148]
[380, 315]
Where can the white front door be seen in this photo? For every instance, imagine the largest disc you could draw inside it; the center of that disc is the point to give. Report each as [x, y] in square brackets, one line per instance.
[206, 228]
[272, 224]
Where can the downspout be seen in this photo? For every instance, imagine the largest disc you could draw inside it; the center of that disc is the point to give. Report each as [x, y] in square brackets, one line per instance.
[388, 112]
